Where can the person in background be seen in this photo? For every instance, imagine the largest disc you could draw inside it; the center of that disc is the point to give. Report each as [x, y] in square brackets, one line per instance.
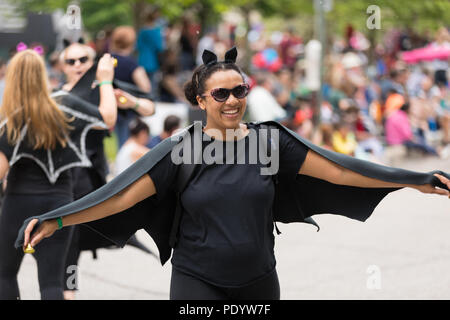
[150, 43]
[122, 44]
[170, 90]
[443, 112]
[399, 77]
[188, 45]
[134, 147]
[123, 40]
[208, 42]
[262, 105]
[171, 123]
[33, 123]
[77, 59]
[344, 141]
[398, 128]
[55, 73]
[441, 66]
[290, 48]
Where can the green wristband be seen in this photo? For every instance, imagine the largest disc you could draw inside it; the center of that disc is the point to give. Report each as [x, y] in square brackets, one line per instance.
[104, 82]
[136, 106]
[60, 223]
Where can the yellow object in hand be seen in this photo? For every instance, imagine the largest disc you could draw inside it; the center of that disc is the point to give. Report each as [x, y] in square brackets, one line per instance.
[29, 249]
[122, 100]
[115, 62]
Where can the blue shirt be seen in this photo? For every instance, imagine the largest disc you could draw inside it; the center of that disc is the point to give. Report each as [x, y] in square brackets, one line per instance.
[150, 42]
[154, 141]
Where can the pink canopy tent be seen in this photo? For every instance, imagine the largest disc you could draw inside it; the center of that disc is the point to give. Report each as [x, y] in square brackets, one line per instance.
[428, 53]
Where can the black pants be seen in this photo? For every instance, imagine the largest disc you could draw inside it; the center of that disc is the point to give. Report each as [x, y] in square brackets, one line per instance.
[50, 253]
[186, 287]
[86, 180]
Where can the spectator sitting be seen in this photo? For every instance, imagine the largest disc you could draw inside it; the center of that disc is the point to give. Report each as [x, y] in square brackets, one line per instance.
[344, 141]
[398, 128]
[134, 147]
[171, 123]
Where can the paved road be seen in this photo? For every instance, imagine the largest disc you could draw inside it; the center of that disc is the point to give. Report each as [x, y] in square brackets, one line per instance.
[401, 252]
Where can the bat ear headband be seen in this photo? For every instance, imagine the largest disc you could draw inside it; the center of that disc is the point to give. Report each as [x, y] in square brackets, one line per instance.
[209, 58]
[67, 43]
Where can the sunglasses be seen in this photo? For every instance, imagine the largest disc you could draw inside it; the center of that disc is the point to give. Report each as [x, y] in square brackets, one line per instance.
[222, 94]
[73, 61]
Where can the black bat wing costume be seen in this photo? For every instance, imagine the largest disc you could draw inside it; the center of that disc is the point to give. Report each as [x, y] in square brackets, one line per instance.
[295, 200]
[53, 162]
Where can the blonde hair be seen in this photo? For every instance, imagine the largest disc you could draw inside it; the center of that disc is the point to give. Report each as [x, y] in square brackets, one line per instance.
[26, 101]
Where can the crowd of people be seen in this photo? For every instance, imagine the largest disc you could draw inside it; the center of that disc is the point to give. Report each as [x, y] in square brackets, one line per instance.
[358, 100]
[365, 108]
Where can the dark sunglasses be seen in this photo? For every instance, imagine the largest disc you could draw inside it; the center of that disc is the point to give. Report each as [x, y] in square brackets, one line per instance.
[222, 94]
[73, 61]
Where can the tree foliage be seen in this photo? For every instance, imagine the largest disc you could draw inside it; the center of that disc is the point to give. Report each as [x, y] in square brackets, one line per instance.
[415, 14]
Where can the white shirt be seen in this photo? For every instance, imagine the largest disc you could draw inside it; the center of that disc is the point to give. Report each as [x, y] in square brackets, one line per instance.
[262, 105]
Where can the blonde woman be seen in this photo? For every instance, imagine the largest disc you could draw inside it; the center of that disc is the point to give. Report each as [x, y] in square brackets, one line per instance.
[40, 140]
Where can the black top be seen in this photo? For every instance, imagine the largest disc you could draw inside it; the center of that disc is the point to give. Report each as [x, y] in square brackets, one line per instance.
[125, 68]
[26, 177]
[226, 230]
[37, 171]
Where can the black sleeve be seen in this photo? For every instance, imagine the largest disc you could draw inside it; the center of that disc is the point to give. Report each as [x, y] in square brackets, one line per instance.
[292, 155]
[164, 175]
[5, 147]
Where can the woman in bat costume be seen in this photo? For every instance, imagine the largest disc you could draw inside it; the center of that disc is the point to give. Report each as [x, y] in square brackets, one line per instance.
[41, 138]
[218, 216]
[79, 67]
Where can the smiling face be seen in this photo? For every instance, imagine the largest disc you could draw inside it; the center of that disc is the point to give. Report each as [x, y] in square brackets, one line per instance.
[227, 114]
[78, 69]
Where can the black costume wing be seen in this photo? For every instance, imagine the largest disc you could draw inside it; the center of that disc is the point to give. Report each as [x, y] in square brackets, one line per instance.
[53, 162]
[295, 201]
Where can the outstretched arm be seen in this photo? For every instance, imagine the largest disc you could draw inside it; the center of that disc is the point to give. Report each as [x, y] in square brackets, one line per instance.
[136, 192]
[319, 167]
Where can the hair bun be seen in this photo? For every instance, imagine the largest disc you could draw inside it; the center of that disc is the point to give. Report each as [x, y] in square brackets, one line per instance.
[190, 93]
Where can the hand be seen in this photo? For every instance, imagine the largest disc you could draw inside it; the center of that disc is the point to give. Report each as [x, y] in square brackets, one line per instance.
[124, 99]
[45, 230]
[428, 188]
[105, 68]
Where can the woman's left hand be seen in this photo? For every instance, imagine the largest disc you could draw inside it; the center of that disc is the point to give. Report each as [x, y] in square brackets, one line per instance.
[124, 99]
[428, 188]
